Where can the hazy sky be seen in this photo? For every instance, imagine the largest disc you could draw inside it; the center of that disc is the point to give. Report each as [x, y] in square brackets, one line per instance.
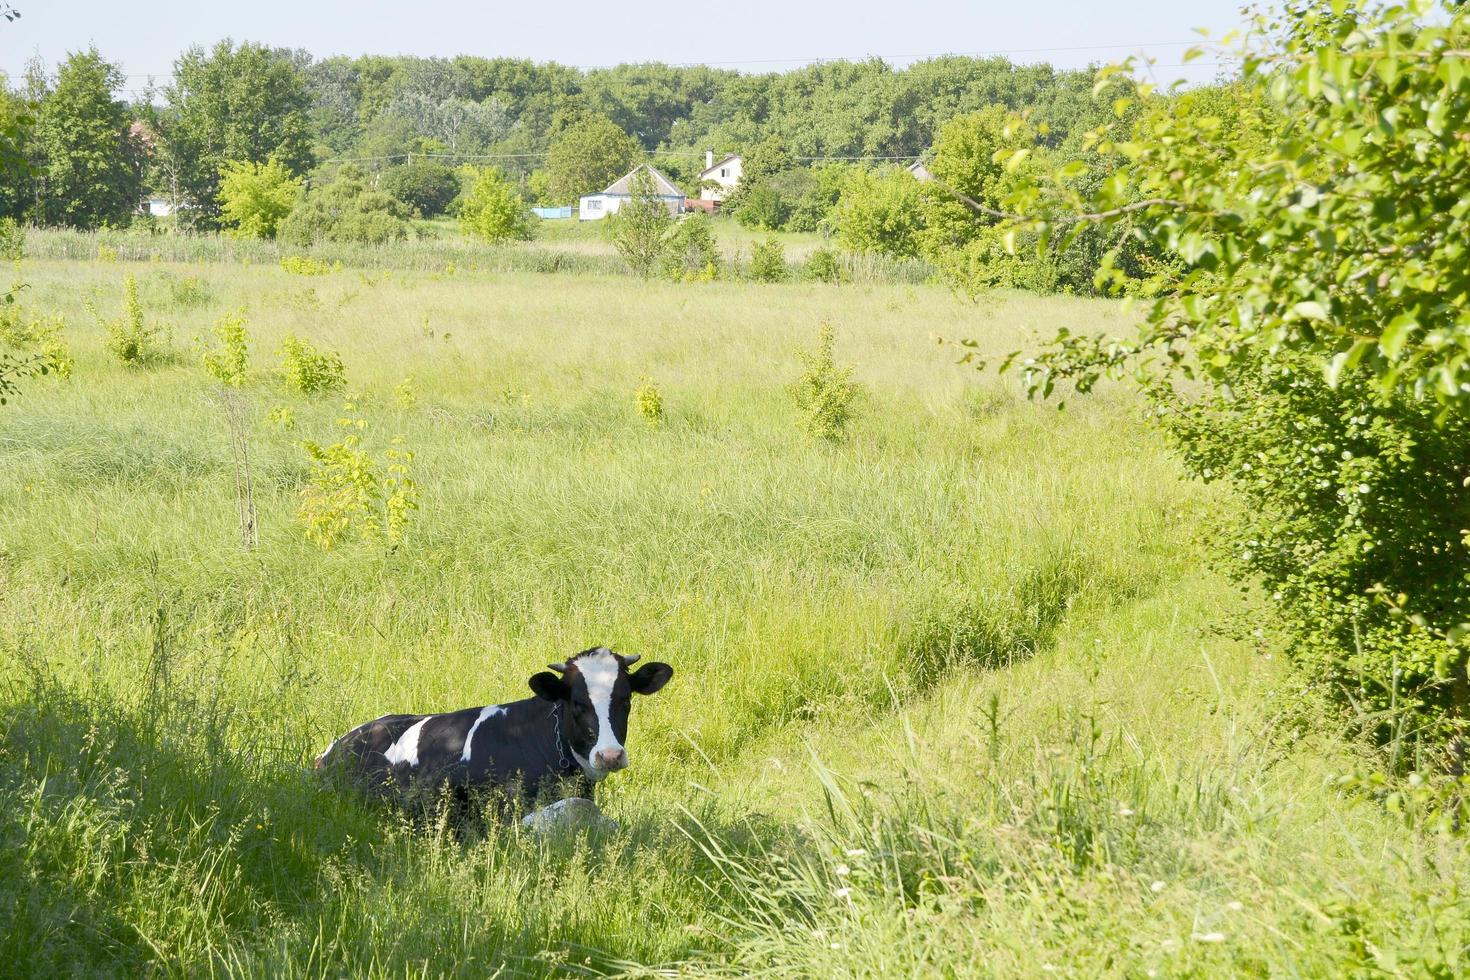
[750, 35]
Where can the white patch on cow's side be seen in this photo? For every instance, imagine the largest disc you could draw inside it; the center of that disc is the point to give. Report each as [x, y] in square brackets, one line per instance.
[406, 749]
[487, 712]
[599, 670]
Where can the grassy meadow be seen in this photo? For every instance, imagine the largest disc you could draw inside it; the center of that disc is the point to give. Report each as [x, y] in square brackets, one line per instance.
[958, 695]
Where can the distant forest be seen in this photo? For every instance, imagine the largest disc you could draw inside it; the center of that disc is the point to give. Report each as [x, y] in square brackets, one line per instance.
[245, 101]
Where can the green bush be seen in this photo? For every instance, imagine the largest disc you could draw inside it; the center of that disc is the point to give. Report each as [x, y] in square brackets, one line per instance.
[640, 228]
[822, 266]
[31, 334]
[763, 208]
[12, 240]
[305, 369]
[1324, 302]
[352, 495]
[227, 361]
[692, 254]
[767, 261]
[493, 211]
[824, 393]
[306, 265]
[650, 403]
[346, 210]
[424, 185]
[880, 213]
[256, 197]
[130, 338]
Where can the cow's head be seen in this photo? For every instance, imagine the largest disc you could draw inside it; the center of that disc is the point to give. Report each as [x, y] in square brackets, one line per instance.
[595, 690]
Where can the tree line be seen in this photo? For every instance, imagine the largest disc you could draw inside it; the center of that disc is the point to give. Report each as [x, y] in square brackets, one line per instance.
[557, 131]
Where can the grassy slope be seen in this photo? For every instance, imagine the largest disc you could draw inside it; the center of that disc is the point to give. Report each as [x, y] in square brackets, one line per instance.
[985, 622]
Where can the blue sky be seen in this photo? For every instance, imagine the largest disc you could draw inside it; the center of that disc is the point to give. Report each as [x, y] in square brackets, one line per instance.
[750, 35]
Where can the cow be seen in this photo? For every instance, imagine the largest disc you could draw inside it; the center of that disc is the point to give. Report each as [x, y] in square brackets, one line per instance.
[563, 741]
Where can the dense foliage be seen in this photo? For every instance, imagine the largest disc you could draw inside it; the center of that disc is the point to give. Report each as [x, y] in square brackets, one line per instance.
[346, 210]
[586, 156]
[493, 211]
[1320, 225]
[232, 104]
[640, 228]
[427, 186]
[87, 162]
[256, 197]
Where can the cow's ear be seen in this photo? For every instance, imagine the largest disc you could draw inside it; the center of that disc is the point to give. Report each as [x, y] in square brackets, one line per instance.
[547, 685]
[650, 677]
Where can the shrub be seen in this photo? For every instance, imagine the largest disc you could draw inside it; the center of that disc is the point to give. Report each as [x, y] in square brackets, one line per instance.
[880, 213]
[640, 228]
[256, 197]
[649, 402]
[493, 211]
[38, 334]
[309, 371]
[346, 210]
[1311, 346]
[226, 363]
[767, 261]
[691, 253]
[305, 265]
[763, 208]
[424, 185]
[822, 266]
[130, 338]
[12, 240]
[352, 495]
[824, 393]
[188, 292]
[405, 394]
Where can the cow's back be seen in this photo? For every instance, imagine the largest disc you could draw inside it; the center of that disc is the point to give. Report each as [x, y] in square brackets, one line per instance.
[362, 752]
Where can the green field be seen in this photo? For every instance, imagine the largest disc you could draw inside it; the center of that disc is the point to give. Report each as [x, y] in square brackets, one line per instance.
[958, 695]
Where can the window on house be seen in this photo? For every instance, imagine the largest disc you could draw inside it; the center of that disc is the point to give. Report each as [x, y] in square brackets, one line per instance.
[594, 205]
[724, 172]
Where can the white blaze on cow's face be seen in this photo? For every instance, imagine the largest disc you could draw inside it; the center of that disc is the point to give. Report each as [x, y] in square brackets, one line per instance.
[606, 689]
[594, 693]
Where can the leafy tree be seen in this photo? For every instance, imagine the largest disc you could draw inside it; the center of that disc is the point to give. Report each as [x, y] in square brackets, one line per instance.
[977, 155]
[16, 127]
[88, 172]
[245, 104]
[765, 160]
[256, 197]
[640, 228]
[764, 208]
[424, 185]
[346, 210]
[587, 156]
[493, 211]
[880, 213]
[1323, 298]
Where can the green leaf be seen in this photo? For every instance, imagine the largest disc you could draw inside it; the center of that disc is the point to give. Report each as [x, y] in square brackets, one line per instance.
[1309, 310]
[1396, 334]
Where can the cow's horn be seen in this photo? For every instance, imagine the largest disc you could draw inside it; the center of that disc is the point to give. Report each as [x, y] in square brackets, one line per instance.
[631, 658]
[559, 668]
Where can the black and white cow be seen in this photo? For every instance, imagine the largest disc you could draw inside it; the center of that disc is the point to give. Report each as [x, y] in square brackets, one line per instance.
[569, 736]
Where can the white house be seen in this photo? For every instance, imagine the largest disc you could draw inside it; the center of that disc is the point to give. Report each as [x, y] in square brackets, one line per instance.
[726, 173]
[595, 207]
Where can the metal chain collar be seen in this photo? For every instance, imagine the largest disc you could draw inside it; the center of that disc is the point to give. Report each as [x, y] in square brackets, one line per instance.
[560, 751]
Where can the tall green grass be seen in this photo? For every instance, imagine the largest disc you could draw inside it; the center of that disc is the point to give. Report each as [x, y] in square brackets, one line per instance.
[953, 697]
